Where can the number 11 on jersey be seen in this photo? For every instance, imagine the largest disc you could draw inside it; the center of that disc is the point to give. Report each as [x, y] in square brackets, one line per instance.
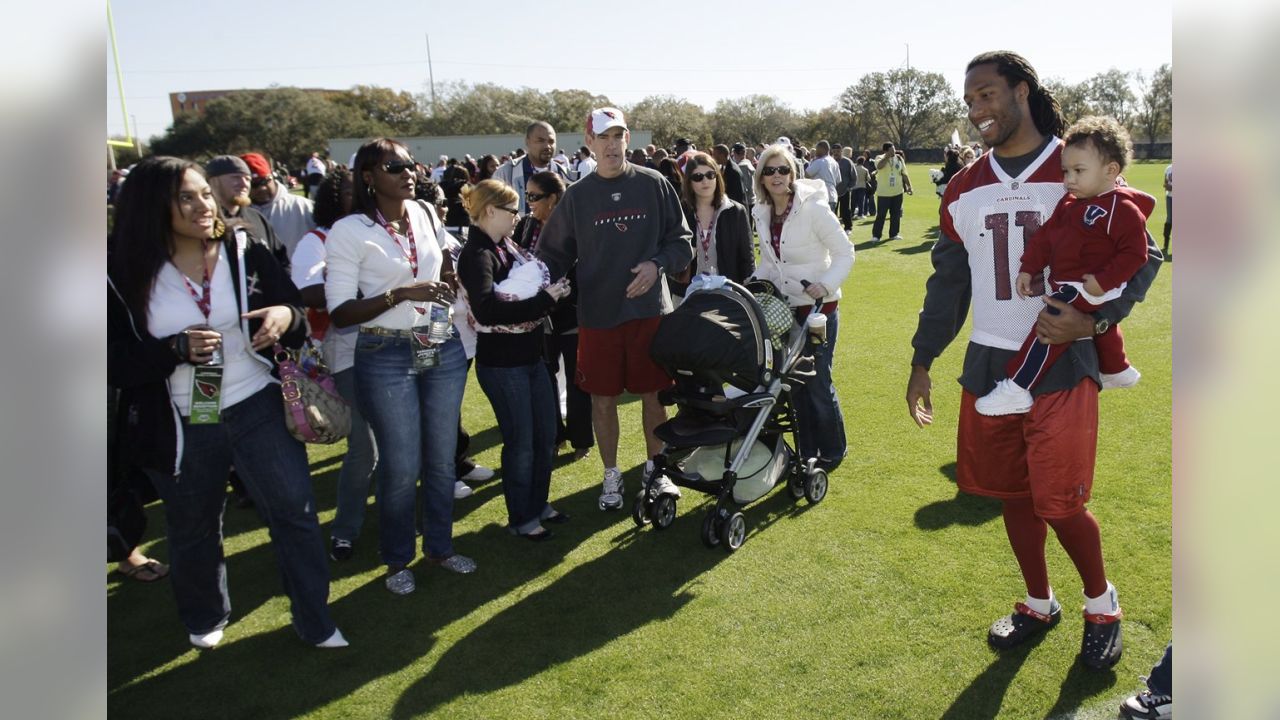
[998, 224]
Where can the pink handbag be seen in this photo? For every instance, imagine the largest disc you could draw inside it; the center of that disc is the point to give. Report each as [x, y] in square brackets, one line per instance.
[313, 410]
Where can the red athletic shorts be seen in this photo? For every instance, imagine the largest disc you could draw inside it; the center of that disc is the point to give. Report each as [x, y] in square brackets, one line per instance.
[1046, 454]
[614, 359]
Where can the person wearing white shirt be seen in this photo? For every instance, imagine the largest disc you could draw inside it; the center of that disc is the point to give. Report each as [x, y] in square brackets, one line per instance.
[386, 266]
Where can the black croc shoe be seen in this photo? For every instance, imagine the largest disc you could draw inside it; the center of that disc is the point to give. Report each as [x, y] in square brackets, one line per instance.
[1102, 644]
[1022, 625]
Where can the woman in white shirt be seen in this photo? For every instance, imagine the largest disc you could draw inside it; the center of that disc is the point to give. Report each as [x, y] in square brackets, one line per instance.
[385, 268]
[194, 310]
[805, 252]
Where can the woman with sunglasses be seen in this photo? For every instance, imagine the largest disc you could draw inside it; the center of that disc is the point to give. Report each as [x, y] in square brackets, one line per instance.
[509, 361]
[722, 232]
[805, 252]
[542, 193]
[385, 268]
[194, 310]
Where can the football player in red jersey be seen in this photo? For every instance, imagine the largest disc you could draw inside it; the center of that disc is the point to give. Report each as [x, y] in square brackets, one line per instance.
[1039, 464]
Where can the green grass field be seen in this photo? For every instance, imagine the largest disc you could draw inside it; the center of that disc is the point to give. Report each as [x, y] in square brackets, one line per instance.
[871, 604]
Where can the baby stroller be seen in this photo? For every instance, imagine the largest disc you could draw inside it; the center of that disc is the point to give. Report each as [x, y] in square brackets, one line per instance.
[734, 353]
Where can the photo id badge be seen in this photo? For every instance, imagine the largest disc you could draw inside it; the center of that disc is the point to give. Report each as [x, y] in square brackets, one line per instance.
[206, 395]
[426, 355]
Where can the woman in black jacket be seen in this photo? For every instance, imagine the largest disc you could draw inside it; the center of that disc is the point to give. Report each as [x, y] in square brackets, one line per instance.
[721, 227]
[509, 363]
[194, 310]
[542, 193]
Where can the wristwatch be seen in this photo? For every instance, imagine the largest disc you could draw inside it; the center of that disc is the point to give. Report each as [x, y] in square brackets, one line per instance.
[1100, 325]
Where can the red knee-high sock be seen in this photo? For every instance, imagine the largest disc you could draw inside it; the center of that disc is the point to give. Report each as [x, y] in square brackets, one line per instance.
[1080, 538]
[1026, 535]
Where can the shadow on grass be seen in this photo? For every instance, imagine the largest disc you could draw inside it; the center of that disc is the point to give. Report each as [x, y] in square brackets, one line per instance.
[273, 674]
[1080, 684]
[923, 247]
[643, 579]
[933, 232]
[866, 245]
[982, 699]
[963, 509]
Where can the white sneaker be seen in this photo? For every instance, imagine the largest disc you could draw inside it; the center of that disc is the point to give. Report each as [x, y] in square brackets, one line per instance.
[479, 473]
[1126, 378]
[896, 237]
[875, 239]
[663, 484]
[1006, 399]
[334, 641]
[611, 493]
[461, 490]
[207, 640]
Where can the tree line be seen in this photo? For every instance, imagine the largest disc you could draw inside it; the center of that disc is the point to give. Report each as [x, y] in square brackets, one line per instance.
[911, 107]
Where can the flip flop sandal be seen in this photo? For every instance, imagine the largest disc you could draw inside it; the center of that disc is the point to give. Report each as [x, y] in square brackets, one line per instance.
[1022, 625]
[148, 572]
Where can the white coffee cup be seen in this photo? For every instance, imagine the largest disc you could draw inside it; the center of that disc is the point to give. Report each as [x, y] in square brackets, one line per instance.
[816, 324]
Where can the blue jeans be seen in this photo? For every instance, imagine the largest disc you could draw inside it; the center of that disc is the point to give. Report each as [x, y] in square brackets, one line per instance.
[1160, 681]
[524, 406]
[414, 416]
[273, 465]
[821, 423]
[357, 465]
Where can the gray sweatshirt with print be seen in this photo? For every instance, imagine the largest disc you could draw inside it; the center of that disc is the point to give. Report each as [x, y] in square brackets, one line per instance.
[606, 226]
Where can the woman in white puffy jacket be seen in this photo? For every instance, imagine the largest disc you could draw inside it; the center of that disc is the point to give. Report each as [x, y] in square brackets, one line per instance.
[806, 253]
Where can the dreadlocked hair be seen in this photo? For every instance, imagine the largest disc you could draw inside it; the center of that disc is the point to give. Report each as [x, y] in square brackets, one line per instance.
[1045, 111]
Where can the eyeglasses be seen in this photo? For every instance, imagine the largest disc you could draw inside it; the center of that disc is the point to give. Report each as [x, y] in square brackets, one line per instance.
[395, 167]
[699, 177]
[513, 211]
[768, 170]
[535, 197]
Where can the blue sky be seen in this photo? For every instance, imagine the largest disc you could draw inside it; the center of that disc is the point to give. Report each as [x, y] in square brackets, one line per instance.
[803, 53]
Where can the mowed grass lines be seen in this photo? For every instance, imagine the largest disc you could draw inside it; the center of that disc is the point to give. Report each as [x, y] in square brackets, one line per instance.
[872, 604]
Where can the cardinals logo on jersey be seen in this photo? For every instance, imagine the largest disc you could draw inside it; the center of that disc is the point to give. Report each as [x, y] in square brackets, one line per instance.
[622, 227]
[1093, 214]
[207, 389]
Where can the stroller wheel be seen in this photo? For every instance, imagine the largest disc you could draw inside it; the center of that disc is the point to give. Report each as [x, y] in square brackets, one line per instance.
[815, 486]
[640, 510]
[711, 528]
[664, 511]
[795, 483]
[733, 532]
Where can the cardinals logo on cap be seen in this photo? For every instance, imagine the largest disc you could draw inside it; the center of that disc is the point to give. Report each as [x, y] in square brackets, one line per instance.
[1093, 214]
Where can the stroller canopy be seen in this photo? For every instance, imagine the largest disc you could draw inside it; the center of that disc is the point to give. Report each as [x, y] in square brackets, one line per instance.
[715, 333]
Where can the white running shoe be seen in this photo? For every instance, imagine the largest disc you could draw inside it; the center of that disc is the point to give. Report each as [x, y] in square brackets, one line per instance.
[1126, 378]
[611, 493]
[461, 490]
[479, 473]
[663, 485]
[896, 237]
[1006, 399]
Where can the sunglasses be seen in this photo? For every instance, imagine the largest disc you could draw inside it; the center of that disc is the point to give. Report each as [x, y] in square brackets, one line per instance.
[768, 170]
[395, 167]
[535, 197]
[513, 211]
[699, 177]
[260, 181]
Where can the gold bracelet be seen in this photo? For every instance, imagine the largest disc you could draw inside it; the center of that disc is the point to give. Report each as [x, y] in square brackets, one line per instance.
[391, 302]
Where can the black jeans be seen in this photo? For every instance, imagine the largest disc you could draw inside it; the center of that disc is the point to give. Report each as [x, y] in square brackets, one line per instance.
[891, 206]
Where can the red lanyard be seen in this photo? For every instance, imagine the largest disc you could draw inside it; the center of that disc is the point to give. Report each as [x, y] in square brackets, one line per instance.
[204, 300]
[412, 252]
[775, 227]
[704, 239]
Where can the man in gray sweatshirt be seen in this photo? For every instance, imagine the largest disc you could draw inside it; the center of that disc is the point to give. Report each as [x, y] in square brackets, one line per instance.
[623, 228]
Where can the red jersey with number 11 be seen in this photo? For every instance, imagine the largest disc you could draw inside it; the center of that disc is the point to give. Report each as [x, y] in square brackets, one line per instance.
[993, 214]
